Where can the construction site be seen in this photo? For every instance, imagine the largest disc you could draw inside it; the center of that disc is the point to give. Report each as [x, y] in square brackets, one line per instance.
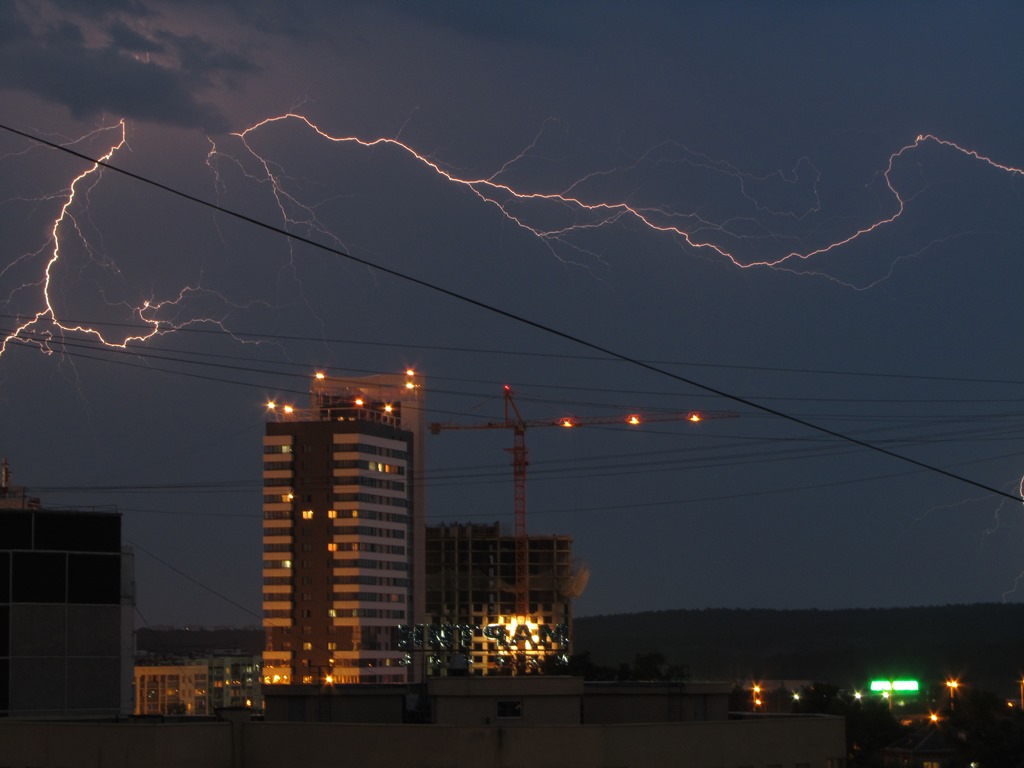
[500, 603]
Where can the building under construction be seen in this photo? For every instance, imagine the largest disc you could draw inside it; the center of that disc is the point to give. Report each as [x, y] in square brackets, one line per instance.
[472, 603]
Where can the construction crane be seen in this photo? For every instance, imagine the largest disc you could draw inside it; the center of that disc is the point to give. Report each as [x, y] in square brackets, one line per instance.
[514, 420]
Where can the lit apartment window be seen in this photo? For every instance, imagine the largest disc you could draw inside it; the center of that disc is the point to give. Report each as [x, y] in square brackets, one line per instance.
[332, 513]
[332, 646]
[307, 514]
[307, 646]
[331, 613]
[332, 547]
[286, 563]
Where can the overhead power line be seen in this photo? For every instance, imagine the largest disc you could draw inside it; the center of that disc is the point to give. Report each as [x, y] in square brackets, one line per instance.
[263, 336]
[508, 314]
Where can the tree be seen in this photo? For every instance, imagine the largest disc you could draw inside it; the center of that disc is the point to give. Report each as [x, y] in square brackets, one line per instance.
[870, 725]
[581, 665]
[821, 698]
[649, 666]
[870, 728]
[982, 730]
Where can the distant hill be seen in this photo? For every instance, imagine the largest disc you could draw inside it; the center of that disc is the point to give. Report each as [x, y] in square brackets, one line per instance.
[980, 643]
[244, 641]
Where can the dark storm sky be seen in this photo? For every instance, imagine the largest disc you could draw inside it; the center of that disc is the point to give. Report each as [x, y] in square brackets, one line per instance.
[716, 136]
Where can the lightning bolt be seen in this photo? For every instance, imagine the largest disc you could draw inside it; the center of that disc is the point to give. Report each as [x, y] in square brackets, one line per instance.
[1020, 576]
[46, 322]
[560, 218]
[997, 524]
[578, 208]
[585, 213]
[45, 325]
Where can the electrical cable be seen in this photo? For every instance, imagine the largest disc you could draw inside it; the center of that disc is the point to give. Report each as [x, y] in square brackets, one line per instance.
[509, 315]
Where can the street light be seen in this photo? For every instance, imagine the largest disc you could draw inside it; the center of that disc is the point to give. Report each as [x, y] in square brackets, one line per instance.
[952, 685]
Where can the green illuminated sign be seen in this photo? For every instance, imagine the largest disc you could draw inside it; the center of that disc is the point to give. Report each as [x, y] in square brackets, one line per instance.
[896, 686]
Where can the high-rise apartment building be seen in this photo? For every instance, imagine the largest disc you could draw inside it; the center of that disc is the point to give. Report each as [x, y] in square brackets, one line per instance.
[343, 530]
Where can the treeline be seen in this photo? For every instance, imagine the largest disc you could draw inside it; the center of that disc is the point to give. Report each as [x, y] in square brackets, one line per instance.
[978, 642]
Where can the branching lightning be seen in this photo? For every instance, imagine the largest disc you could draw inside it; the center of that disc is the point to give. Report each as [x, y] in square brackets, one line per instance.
[587, 213]
[46, 324]
[581, 209]
[578, 206]
[1020, 576]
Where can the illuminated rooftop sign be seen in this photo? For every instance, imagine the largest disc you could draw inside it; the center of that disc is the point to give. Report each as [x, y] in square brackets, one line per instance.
[896, 686]
[460, 636]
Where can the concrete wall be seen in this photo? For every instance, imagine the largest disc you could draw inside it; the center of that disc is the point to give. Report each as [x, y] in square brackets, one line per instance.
[115, 745]
[757, 744]
[730, 744]
[341, 704]
[473, 701]
[619, 703]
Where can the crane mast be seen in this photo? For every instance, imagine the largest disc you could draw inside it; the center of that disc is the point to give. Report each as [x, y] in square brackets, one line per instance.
[519, 462]
[514, 420]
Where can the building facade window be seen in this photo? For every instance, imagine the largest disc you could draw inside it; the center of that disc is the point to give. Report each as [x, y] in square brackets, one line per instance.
[509, 709]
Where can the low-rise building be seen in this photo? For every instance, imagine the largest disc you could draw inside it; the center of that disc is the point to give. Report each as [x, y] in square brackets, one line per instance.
[198, 686]
[506, 700]
[172, 689]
